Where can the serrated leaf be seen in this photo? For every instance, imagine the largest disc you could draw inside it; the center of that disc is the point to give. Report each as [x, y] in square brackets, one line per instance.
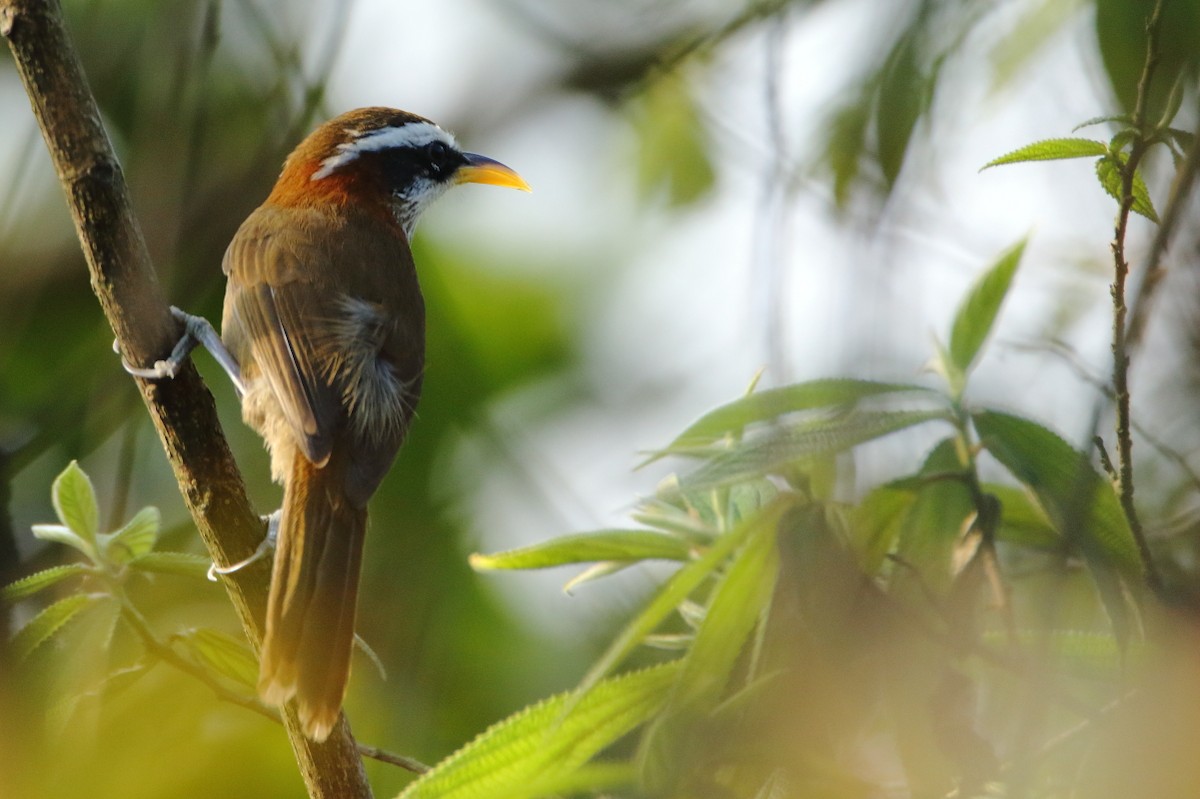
[1124, 119]
[1183, 139]
[38, 581]
[61, 534]
[135, 540]
[535, 751]
[601, 545]
[777, 449]
[1108, 172]
[46, 624]
[1077, 500]
[221, 653]
[75, 502]
[979, 308]
[768, 405]
[184, 564]
[677, 589]
[1051, 150]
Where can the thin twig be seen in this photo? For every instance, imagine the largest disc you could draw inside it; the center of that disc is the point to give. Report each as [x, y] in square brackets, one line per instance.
[1125, 483]
[1076, 365]
[167, 654]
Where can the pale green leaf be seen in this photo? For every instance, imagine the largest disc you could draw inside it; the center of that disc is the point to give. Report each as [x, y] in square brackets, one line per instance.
[765, 406]
[536, 751]
[46, 624]
[75, 502]
[1052, 150]
[184, 564]
[135, 540]
[61, 534]
[775, 450]
[221, 653]
[601, 545]
[979, 308]
[28, 586]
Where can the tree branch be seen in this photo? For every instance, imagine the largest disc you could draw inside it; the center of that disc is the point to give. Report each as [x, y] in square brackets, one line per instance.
[182, 409]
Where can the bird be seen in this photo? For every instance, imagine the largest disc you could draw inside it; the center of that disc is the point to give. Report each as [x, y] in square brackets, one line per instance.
[323, 328]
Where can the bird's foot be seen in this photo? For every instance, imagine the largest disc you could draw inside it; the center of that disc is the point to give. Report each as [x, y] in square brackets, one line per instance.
[265, 546]
[196, 330]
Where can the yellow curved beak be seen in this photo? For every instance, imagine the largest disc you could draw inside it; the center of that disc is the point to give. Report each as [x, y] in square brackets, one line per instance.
[481, 169]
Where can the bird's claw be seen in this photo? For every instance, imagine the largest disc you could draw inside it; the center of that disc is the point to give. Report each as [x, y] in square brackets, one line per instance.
[196, 331]
[161, 370]
[264, 546]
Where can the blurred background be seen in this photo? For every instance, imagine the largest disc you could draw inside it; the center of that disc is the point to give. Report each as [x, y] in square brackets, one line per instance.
[720, 188]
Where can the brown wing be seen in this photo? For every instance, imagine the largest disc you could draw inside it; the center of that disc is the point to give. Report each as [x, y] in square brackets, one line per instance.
[278, 291]
[327, 309]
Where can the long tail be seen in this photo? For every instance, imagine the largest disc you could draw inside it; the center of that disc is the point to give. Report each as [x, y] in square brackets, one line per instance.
[314, 591]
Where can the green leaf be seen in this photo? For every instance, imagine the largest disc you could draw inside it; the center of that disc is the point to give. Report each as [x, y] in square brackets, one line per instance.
[75, 502]
[1059, 477]
[875, 524]
[28, 586]
[765, 406]
[1123, 119]
[1077, 500]
[674, 151]
[45, 625]
[904, 94]
[135, 540]
[61, 534]
[1052, 150]
[777, 449]
[221, 653]
[979, 309]
[1108, 171]
[184, 564]
[536, 751]
[1022, 521]
[931, 527]
[601, 545]
[677, 589]
[736, 606]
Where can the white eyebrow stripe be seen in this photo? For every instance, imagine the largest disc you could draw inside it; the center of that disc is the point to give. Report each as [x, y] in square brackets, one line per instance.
[414, 134]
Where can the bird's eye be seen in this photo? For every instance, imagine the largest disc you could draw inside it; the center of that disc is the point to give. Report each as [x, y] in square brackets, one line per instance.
[438, 153]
